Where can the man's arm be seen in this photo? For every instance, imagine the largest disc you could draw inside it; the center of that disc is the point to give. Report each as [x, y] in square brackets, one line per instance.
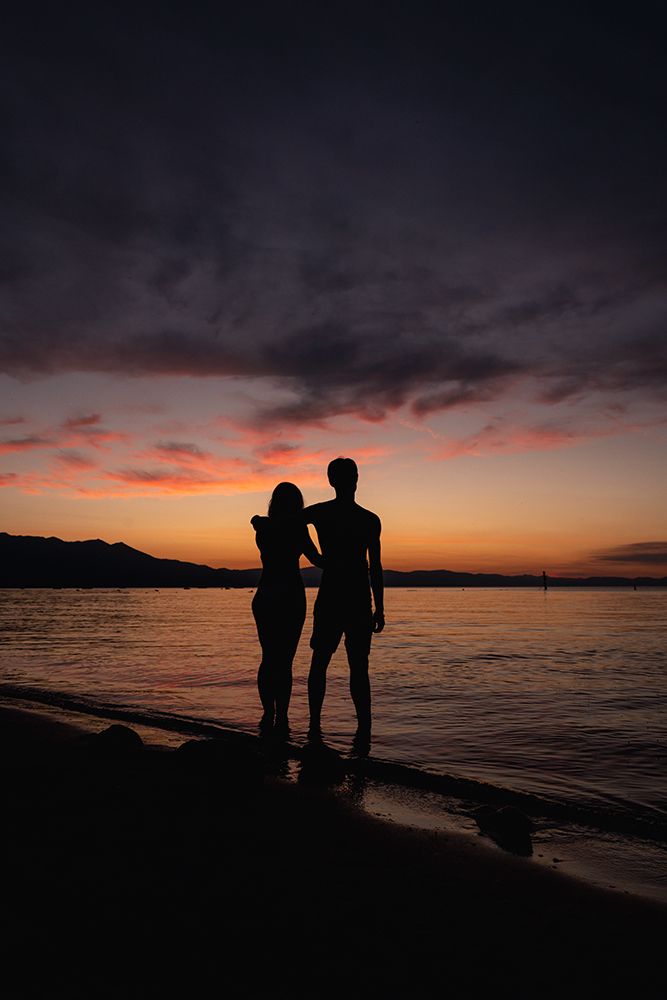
[310, 550]
[377, 582]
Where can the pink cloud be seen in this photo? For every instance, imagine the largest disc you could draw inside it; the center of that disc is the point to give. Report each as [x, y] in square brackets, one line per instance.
[495, 439]
[8, 479]
[86, 434]
[88, 430]
[61, 473]
[79, 423]
[158, 477]
[179, 480]
[242, 434]
[291, 455]
[75, 459]
[24, 444]
[278, 453]
[179, 451]
[186, 463]
[191, 460]
[76, 430]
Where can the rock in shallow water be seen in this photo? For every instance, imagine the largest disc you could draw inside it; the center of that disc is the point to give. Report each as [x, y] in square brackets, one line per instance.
[508, 827]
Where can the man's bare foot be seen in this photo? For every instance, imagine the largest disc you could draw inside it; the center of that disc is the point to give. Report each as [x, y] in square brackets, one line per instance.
[361, 744]
[314, 734]
[266, 722]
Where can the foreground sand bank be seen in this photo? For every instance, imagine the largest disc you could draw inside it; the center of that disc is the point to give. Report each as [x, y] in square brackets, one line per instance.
[156, 872]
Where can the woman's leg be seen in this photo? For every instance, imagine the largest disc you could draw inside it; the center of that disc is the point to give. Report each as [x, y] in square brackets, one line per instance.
[266, 689]
[265, 674]
[283, 689]
[287, 651]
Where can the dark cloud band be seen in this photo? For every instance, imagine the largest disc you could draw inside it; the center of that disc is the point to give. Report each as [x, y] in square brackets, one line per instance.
[636, 553]
[419, 222]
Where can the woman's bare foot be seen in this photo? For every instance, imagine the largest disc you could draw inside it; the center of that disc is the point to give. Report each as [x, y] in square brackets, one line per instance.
[281, 727]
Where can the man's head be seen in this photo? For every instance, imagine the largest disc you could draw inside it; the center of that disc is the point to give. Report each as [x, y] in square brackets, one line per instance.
[343, 476]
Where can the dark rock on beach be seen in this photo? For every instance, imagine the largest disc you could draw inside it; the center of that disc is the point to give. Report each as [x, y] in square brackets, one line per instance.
[507, 826]
[114, 741]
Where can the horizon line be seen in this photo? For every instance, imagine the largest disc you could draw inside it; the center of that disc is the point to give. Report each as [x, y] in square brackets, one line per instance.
[538, 575]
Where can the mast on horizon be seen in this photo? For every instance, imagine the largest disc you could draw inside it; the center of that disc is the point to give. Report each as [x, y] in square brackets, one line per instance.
[544, 579]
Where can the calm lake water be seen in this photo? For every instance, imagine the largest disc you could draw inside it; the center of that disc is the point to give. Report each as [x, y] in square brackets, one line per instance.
[561, 694]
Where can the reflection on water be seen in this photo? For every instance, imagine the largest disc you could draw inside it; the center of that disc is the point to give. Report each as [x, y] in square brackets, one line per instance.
[562, 693]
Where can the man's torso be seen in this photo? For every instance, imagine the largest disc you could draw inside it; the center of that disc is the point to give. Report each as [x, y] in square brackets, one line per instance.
[345, 531]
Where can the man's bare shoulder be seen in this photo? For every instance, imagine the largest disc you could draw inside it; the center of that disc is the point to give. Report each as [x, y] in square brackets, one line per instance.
[372, 520]
[317, 510]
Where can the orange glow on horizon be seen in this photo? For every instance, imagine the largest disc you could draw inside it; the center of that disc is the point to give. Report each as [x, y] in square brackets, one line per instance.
[464, 495]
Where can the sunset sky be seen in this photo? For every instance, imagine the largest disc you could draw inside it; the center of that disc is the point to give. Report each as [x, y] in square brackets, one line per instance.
[233, 247]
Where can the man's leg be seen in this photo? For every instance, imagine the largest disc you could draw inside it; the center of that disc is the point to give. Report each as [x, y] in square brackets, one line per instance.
[317, 683]
[358, 647]
[327, 633]
[360, 688]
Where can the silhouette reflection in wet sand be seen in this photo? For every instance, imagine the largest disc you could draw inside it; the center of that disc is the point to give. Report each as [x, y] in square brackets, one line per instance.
[349, 537]
[279, 604]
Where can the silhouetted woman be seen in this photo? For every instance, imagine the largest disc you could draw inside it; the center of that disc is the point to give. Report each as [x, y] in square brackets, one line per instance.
[279, 605]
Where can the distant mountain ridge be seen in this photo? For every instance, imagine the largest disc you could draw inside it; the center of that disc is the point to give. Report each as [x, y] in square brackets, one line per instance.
[33, 561]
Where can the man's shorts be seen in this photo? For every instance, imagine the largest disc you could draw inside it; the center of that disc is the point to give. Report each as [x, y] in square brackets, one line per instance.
[334, 619]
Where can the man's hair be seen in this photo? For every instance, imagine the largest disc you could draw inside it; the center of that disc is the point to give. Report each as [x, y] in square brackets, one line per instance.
[342, 472]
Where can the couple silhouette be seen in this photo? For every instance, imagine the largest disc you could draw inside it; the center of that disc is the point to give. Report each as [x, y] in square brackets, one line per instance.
[349, 540]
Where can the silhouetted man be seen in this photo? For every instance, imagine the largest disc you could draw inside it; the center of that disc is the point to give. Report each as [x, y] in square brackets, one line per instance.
[349, 538]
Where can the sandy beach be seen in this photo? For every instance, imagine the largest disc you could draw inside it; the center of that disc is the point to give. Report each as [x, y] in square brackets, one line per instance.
[138, 872]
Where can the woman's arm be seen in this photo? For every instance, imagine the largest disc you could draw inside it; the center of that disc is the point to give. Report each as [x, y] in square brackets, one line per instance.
[310, 551]
[259, 524]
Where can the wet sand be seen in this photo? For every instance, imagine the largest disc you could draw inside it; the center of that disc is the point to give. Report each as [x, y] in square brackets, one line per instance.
[152, 872]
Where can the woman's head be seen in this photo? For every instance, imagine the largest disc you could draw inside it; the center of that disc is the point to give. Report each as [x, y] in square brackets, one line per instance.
[286, 501]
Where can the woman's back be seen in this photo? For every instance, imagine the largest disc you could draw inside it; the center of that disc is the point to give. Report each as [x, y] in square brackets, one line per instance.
[280, 543]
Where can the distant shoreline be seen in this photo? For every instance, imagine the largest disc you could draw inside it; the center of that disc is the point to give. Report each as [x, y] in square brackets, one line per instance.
[557, 585]
[34, 562]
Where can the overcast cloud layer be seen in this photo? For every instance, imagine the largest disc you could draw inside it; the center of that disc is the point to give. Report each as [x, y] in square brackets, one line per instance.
[411, 211]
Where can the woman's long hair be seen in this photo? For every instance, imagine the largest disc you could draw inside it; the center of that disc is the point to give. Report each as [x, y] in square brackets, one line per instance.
[286, 503]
